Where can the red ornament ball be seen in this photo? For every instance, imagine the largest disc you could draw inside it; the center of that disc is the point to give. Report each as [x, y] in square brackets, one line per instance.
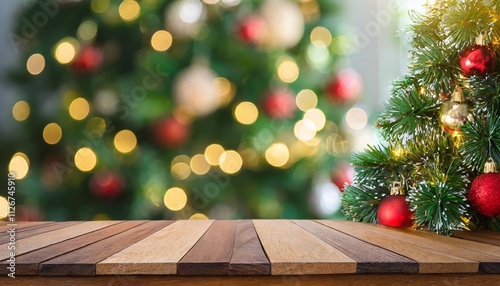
[343, 175]
[252, 29]
[171, 133]
[106, 184]
[484, 194]
[477, 60]
[345, 86]
[280, 105]
[89, 60]
[394, 211]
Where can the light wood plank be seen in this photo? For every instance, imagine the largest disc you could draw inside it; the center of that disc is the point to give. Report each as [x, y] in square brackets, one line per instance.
[447, 245]
[157, 254]
[369, 258]
[292, 250]
[26, 245]
[4, 226]
[32, 231]
[429, 261]
[248, 256]
[82, 261]
[479, 237]
[211, 254]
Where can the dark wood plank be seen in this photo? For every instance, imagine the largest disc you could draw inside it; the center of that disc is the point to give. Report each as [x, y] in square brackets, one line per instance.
[309, 280]
[27, 264]
[82, 262]
[369, 258]
[488, 239]
[23, 233]
[248, 256]
[212, 253]
[23, 225]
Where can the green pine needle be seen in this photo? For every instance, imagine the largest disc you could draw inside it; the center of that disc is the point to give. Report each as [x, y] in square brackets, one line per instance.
[360, 203]
[480, 140]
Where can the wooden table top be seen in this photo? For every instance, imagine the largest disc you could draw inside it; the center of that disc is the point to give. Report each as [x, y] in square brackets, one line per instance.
[241, 251]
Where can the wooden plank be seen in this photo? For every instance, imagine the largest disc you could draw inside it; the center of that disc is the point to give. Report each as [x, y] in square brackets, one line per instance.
[157, 254]
[369, 258]
[248, 255]
[27, 264]
[292, 250]
[488, 239]
[4, 226]
[309, 280]
[26, 245]
[429, 261]
[82, 262]
[211, 254]
[447, 245]
[20, 234]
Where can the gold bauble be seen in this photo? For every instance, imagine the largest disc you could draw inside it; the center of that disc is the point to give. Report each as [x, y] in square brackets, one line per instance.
[455, 113]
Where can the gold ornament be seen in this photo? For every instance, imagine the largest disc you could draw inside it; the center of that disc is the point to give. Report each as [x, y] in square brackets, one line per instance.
[455, 113]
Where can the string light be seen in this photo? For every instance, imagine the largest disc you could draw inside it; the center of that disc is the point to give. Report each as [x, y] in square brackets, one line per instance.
[230, 162]
[213, 153]
[125, 141]
[65, 50]
[79, 108]
[35, 64]
[277, 154]
[288, 70]
[175, 199]
[161, 40]
[246, 113]
[129, 10]
[52, 133]
[21, 110]
[19, 165]
[199, 164]
[85, 159]
[180, 171]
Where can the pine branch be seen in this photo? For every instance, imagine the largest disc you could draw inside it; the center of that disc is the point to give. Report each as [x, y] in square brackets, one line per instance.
[440, 207]
[360, 203]
[480, 139]
[486, 93]
[408, 112]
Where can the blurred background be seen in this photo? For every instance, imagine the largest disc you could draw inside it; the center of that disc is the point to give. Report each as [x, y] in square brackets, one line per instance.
[191, 109]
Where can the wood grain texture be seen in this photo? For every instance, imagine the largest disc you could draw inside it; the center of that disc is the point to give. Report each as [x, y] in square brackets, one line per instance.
[4, 226]
[429, 261]
[27, 232]
[306, 280]
[292, 250]
[211, 254]
[369, 258]
[82, 262]
[28, 264]
[248, 256]
[159, 253]
[479, 237]
[448, 245]
[26, 245]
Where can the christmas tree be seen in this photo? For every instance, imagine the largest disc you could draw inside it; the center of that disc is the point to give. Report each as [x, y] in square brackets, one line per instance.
[441, 128]
[180, 109]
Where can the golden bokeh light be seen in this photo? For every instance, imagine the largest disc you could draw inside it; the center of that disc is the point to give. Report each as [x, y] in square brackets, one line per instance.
[87, 31]
[19, 165]
[85, 159]
[304, 130]
[161, 40]
[21, 110]
[356, 118]
[306, 99]
[35, 64]
[277, 154]
[125, 141]
[4, 207]
[175, 199]
[246, 113]
[79, 108]
[180, 159]
[129, 10]
[65, 50]
[198, 216]
[224, 90]
[99, 6]
[288, 70]
[321, 37]
[210, 2]
[52, 133]
[213, 153]
[180, 171]
[317, 117]
[230, 162]
[199, 164]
